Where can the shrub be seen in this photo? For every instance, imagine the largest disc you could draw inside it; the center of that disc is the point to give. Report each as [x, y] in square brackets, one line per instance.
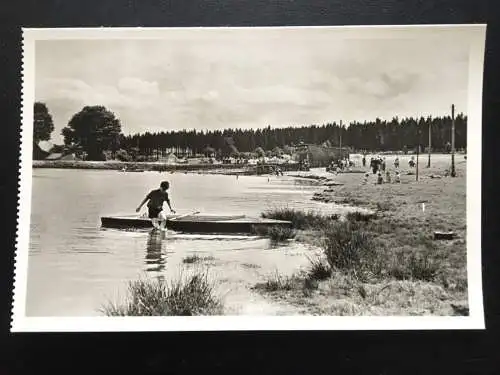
[183, 297]
[347, 248]
[122, 155]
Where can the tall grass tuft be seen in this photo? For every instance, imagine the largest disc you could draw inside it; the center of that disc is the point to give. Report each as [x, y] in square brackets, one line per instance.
[414, 267]
[300, 219]
[351, 250]
[319, 270]
[359, 216]
[275, 233]
[193, 295]
[276, 282]
[280, 234]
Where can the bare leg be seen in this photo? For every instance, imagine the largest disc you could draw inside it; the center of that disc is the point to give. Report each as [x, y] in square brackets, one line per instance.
[154, 221]
[163, 221]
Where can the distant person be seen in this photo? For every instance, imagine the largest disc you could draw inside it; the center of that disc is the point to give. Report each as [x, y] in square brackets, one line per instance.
[396, 163]
[397, 178]
[380, 179]
[411, 163]
[382, 164]
[364, 161]
[373, 165]
[155, 199]
[388, 177]
[365, 179]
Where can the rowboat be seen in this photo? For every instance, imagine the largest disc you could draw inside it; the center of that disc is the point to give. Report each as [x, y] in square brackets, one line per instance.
[196, 223]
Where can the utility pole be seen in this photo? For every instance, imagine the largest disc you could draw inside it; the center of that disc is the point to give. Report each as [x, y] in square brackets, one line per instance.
[429, 159]
[418, 150]
[453, 172]
[341, 137]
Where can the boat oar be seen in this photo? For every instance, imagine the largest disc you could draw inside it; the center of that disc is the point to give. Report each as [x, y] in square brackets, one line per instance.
[181, 216]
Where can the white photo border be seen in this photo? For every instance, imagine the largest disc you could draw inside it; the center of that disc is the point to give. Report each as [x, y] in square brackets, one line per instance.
[21, 323]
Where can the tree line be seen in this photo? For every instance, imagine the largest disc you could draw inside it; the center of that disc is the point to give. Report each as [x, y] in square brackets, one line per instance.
[95, 131]
[379, 135]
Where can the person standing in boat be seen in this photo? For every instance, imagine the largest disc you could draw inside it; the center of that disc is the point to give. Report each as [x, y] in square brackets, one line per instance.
[155, 200]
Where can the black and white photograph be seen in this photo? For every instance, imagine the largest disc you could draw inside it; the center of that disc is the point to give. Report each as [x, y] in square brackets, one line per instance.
[250, 178]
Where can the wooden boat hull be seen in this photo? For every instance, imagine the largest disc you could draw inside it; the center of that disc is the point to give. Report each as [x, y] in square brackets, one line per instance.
[196, 223]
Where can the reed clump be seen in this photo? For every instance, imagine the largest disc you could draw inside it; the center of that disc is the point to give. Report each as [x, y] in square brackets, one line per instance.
[276, 234]
[277, 282]
[300, 219]
[351, 250]
[192, 295]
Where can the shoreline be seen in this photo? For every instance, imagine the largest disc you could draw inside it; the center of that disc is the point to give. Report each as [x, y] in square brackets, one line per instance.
[135, 167]
[422, 275]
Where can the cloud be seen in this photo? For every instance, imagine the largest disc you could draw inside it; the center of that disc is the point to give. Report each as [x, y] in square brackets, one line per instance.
[136, 87]
[250, 79]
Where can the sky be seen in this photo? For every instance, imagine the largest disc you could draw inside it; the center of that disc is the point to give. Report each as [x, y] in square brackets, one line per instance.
[247, 78]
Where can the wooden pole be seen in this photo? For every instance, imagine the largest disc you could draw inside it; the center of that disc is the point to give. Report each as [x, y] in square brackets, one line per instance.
[430, 144]
[418, 151]
[453, 172]
[341, 138]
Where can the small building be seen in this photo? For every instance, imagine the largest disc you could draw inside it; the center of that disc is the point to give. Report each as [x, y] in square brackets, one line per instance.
[69, 157]
[54, 156]
[61, 156]
[319, 156]
[169, 159]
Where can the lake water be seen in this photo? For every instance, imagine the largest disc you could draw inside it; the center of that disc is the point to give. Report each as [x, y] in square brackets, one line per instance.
[75, 266]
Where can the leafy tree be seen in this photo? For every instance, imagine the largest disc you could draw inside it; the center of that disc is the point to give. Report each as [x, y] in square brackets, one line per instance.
[260, 152]
[95, 129]
[123, 155]
[233, 151]
[43, 124]
[209, 151]
[277, 151]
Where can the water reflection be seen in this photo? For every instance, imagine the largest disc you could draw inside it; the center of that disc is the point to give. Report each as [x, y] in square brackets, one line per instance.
[155, 256]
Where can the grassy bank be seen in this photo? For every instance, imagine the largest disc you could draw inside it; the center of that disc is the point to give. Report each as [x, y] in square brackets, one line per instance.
[386, 263]
[192, 295]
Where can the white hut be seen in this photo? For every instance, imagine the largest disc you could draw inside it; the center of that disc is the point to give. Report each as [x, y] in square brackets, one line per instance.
[169, 159]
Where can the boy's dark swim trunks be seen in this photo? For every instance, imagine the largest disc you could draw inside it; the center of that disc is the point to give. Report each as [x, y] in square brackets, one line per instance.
[154, 212]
